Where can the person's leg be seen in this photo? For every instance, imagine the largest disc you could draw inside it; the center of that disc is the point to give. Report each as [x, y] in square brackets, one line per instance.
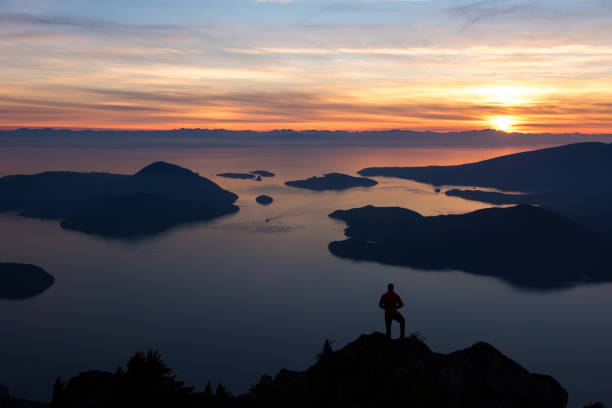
[398, 316]
[388, 320]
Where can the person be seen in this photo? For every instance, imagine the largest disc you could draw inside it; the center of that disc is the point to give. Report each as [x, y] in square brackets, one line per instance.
[390, 302]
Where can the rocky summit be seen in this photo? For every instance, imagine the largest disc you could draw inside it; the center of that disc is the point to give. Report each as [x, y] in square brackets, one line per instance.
[375, 372]
[369, 372]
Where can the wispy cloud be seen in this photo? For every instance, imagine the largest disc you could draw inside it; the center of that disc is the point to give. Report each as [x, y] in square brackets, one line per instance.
[420, 65]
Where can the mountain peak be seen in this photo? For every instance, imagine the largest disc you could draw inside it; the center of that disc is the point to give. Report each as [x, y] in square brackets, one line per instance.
[161, 168]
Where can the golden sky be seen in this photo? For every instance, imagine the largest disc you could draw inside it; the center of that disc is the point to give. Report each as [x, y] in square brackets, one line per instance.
[537, 66]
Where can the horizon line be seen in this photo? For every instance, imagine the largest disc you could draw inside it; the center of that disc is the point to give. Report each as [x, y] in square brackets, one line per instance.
[80, 129]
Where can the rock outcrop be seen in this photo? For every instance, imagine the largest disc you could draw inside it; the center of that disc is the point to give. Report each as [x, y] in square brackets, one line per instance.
[375, 372]
[369, 372]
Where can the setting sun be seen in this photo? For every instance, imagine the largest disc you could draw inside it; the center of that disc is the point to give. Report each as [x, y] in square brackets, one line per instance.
[503, 123]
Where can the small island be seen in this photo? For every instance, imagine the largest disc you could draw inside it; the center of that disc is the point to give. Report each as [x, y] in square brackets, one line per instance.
[370, 372]
[332, 181]
[155, 199]
[524, 245]
[23, 281]
[238, 176]
[264, 199]
[263, 173]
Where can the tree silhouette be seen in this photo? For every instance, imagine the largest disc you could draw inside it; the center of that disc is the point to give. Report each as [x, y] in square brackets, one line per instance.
[208, 390]
[222, 392]
[147, 381]
[327, 350]
[57, 400]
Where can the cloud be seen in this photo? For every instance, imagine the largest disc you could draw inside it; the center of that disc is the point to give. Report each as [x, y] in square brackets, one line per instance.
[416, 68]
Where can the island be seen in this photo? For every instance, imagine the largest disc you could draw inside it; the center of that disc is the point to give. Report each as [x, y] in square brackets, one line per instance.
[369, 372]
[571, 180]
[263, 173]
[155, 199]
[575, 167]
[23, 281]
[332, 181]
[238, 176]
[591, 209]
[264, 199]
[526, 246]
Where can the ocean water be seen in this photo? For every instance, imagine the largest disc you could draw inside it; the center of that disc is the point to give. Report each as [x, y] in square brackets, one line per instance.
[237, 297]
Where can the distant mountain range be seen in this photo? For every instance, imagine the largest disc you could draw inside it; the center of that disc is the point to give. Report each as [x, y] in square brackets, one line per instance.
[233, 138]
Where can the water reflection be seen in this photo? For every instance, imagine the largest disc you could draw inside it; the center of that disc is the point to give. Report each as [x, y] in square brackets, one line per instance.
[265, 227]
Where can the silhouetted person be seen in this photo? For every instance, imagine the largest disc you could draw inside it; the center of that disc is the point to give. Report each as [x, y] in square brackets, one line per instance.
[391, 301]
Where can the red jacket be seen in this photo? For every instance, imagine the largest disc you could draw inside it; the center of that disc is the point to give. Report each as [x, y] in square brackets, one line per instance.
[390, 301]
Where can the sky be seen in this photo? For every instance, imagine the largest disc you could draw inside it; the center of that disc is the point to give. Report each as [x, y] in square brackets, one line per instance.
[532, 66]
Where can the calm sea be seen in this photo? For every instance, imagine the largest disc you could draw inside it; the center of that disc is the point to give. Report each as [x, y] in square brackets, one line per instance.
[238, 297]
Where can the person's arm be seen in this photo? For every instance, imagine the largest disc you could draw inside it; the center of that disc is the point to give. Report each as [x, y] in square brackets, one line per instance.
[381, 303]
[400, 304]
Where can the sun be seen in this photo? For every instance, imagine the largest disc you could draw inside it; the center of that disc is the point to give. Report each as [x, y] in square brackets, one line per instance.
[503, 123]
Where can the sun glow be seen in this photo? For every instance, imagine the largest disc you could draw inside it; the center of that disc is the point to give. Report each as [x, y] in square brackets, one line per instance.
[505, 95]
[503, 123]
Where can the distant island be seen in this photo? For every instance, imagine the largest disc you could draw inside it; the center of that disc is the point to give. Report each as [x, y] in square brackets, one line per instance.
[238, 176]
[332, 181]
[263, 173]
[264, 199]
[253, 175]
[370, 372]
[572, 180]
[23, 281]
[524, 245]
[156, 198]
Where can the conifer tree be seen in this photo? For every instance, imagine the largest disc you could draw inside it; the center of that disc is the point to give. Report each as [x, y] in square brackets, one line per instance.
[327, 350]
[57, 400]
[222, 392]
[208, 390]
